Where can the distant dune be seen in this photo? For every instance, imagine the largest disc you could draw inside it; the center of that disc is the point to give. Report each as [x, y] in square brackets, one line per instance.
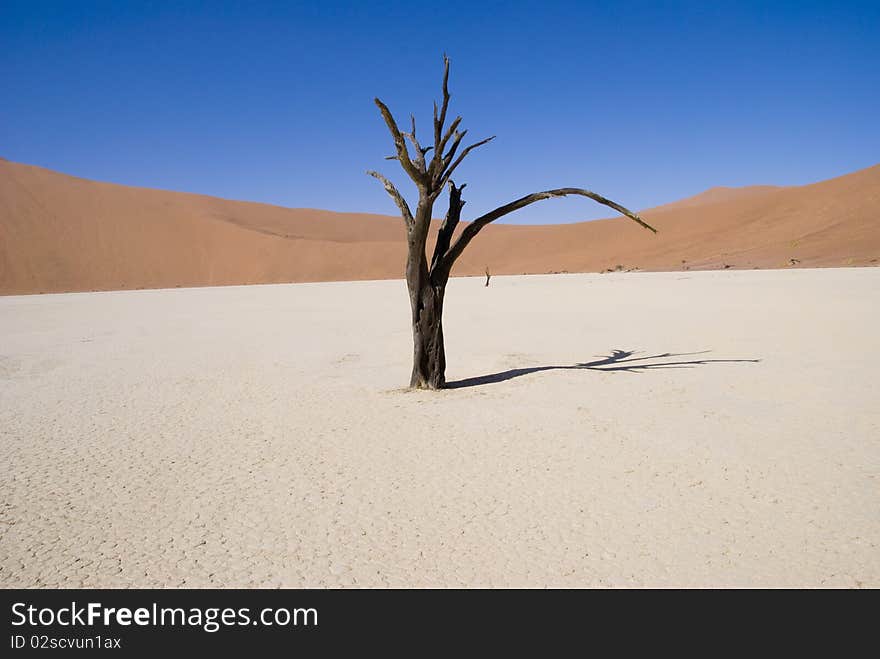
[61, 233]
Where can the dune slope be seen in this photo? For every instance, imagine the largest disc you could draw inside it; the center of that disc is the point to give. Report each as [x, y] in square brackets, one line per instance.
[62, 233]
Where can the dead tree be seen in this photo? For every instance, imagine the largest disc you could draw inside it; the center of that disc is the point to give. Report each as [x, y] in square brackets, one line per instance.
[488, 276]
[426, 280]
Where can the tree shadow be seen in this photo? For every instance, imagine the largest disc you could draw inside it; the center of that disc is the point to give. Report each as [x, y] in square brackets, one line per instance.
[618, 360]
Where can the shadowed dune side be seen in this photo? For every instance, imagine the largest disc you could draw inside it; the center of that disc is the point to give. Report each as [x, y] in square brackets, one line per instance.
[62, 233]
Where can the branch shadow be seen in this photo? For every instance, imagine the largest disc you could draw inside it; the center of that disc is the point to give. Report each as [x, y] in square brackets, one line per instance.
[618, 360]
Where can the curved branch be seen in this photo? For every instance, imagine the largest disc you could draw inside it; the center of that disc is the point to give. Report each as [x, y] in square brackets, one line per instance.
[400, 144]
[474, 227]
[396, 196]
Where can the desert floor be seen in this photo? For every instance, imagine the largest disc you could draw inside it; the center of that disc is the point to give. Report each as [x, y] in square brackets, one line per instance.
[638, 429]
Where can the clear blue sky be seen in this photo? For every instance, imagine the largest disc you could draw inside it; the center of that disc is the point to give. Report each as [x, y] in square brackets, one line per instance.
[643, 102]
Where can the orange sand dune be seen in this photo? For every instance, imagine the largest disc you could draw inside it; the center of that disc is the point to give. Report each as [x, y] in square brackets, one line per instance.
[61, 233]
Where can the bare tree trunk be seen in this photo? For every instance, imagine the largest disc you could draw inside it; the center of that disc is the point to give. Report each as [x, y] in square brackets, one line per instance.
[426, 291]
[429, 353]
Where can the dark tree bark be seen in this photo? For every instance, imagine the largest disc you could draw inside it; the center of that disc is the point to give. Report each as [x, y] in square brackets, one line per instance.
[426, 281]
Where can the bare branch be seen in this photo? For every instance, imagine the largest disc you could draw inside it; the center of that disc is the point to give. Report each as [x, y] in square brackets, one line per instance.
[449, 133]
[448, 172]
[474, 227]
[397, 197]
[439, 165]
[420, 152]
[400, 144]
[437, 162]
[459, 136]
[447, 228]
[441, 119]
[440, 139]
[437, 127]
